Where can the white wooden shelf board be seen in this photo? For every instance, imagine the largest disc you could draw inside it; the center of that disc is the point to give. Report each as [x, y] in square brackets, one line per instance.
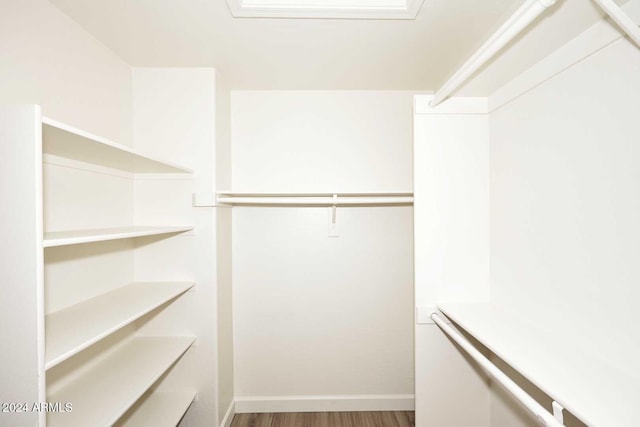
[596, 392]
[106, 391]
[61, 140]
[160, 409]
[75, 328]
[61, 238]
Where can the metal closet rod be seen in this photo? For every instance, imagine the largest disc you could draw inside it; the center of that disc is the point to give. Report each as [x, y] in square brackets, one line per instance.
[541, 414]
[620, 17]
[507, 32]
[310, 199]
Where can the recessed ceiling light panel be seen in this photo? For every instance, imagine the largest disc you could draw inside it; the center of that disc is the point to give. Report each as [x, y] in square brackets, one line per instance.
[331, 9]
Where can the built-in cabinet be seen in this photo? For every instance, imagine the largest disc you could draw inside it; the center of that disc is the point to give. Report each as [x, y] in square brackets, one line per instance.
[80, 303]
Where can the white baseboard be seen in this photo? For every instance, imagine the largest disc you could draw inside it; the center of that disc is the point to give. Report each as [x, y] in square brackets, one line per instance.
[395, 402]
[228, 416]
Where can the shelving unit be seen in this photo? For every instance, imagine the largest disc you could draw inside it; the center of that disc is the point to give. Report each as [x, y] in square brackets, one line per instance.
[160, 409]
[104, 389]
[98, 395]
[597, 393]
[73, 237]
[71, 303]
[75, 328]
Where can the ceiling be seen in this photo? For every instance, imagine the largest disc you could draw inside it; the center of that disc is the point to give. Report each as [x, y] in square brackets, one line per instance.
[271, 53]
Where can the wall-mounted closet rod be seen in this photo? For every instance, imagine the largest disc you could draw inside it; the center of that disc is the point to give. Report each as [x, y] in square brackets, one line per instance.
[507, 32]
[542, 415]
[322, 200]
[621, 18]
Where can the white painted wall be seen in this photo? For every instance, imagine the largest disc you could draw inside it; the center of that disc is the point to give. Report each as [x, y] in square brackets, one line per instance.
[451, 179]
[451, 190]
[48, 59]
[321, 141]
[314, 316]
[565, 198]
[224, 252]
[21, 311]
[174, 115]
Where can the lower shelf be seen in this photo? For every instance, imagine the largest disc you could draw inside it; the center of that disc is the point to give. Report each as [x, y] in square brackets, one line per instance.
[160, 409]
[102, 394]
[75, 328]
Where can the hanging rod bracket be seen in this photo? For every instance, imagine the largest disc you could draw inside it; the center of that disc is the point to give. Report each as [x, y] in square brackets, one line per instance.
[558, 411]
[333, 227]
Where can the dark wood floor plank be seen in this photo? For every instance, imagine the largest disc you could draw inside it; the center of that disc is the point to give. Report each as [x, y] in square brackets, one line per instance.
[326, 419]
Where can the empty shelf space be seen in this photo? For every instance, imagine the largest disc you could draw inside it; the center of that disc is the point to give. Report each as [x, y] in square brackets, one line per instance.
[65, 141]
[160, 409]
[594, 391]
[62, 238]
[75, 328]
[102, 394]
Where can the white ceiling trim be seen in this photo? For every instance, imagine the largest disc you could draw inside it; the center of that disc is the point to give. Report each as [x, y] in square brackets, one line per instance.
[275, 9]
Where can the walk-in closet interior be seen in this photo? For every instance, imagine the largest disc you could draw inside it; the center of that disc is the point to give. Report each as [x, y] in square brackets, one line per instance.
[320, 213]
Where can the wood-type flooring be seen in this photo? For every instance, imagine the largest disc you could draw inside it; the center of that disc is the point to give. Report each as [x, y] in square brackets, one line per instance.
[326, 419]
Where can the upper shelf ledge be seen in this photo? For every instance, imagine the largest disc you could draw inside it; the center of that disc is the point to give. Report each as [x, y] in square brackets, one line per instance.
[62, 140]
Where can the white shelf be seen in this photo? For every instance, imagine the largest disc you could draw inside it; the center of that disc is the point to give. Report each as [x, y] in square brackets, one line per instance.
[160, 409]
[314, 199]
[596, 392]
[101, 395]
[62, 238]
[61, 140]
[75, 328]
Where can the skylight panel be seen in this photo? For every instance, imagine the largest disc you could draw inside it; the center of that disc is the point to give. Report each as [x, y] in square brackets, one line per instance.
[328, 9]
